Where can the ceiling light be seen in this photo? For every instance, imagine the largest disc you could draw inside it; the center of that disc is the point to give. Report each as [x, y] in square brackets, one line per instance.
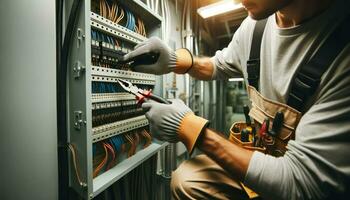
[235, 79]
[218, 8]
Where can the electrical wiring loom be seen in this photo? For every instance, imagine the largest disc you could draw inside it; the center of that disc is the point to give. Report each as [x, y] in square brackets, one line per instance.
[111, 10]
[107, 50]
[140, 183]
[109, 152]
[117, 110]
[106, 130]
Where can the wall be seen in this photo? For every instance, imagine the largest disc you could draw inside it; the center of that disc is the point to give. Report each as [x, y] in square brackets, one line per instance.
[28, 135]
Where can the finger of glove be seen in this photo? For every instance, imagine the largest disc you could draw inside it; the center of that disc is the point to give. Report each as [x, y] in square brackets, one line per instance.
[148, 104]
[139, 51]
[150, 69]
[177, 102]
[140, 45]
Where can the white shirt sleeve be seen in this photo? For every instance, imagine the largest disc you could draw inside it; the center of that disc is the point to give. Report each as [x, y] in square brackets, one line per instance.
[228, 62]
[316, 165]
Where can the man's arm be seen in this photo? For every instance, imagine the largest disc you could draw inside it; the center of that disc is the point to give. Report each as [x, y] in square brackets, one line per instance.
[202, 68]
[233, 158]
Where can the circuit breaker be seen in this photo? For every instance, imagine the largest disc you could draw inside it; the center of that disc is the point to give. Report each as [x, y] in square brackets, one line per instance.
[108, 131]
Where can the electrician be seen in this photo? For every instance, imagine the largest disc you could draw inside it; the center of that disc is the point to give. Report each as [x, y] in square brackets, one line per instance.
[316, 162]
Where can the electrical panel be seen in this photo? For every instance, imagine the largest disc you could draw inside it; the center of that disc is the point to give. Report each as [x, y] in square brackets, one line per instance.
[108, 131]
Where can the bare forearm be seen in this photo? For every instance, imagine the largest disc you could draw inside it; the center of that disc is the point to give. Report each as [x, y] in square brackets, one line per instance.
[234, 159]
[202, 68]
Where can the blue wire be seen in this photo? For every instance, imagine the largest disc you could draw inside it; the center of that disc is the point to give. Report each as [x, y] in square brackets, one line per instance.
[112, 41]
[94, 35]
[98, 36]
[127, 19]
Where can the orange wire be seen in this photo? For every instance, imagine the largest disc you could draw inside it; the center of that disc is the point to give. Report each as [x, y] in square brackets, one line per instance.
[110, 165]
[75, 163]
[100, 166]
[148, 136]
[117, 43]
[131, 150]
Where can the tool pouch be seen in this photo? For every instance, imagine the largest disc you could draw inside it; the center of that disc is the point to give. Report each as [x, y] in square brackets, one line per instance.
[263, 108]
[235, 137]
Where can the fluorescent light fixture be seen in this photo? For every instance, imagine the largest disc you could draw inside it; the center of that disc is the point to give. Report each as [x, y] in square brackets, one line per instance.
[218, 8]
[235, 79]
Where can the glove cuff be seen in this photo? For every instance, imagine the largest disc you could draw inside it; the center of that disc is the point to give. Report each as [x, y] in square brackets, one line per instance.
[184, 61]
[190, 128]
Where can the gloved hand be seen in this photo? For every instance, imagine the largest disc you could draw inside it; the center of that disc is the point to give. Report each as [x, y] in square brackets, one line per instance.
[167, 60]
[174, 122]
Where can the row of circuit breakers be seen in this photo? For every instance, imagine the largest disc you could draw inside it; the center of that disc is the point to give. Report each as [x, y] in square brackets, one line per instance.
[111, 104]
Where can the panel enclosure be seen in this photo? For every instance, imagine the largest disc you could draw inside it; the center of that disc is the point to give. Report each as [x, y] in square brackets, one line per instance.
[82, 101]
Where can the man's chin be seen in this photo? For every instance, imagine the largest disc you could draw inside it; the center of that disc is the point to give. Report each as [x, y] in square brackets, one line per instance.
[258, 16]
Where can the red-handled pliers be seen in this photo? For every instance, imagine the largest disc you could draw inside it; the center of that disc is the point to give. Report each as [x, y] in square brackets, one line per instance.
[140, 93]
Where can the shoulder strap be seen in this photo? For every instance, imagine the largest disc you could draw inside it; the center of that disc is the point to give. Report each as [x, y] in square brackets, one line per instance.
[308, 77]
[253, 64]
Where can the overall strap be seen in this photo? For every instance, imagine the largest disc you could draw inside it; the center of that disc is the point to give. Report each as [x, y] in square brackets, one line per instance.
[308, 77]
[253, 64]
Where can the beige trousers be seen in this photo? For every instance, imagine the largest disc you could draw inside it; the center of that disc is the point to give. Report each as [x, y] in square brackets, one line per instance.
[201, 178]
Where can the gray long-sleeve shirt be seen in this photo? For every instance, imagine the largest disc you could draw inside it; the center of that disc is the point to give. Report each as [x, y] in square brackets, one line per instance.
[317, 163]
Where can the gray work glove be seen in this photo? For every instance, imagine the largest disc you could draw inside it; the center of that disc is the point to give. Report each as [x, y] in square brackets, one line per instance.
[165, 119]
[174, 122]
[166, 57]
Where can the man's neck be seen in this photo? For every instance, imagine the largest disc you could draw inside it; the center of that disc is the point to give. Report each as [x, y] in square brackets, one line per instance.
[299, 11]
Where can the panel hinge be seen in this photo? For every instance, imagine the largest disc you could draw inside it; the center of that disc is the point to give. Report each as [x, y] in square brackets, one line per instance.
[78, 69]
[78, 119]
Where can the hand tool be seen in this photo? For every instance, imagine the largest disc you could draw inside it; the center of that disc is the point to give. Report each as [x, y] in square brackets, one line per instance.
[141, 94]
[142, 59]
[277, 124]
[253, 139]
[245, 135]
[246, 114]
[263, 130]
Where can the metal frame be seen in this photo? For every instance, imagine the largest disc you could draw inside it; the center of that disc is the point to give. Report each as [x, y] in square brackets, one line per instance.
[101, 71]
[110, 27]
[107, 97]
[115, 80]
[82, 101]
[106, 179]
[119, 127]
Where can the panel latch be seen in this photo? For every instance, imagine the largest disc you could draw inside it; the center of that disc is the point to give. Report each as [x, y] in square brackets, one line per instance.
[78, 119]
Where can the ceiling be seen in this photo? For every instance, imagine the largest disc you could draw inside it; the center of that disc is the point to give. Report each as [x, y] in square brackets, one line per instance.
[222, 27]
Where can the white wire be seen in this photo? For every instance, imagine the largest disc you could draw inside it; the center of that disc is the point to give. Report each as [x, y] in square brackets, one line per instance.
[148, 3]
[152, 5]
[157, 6]
[168, 25]
[163, 22]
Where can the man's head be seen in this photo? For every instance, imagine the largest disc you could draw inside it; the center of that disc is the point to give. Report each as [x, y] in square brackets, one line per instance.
[260, 9]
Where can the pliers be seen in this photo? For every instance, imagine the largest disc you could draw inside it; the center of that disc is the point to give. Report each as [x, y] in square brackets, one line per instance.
[140, 93]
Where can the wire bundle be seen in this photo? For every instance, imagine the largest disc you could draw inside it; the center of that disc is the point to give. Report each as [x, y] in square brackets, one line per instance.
[115, 13]
[130, 20]
[110, 115]
[106, 50]
[140, 28]
[111, 42]
[107, 87]
[126, 143]
[75, 163]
